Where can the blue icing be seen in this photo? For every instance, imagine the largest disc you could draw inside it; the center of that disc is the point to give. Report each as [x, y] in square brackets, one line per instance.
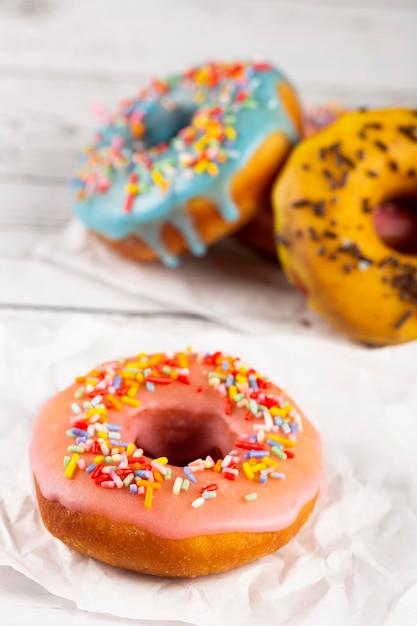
[164, 181]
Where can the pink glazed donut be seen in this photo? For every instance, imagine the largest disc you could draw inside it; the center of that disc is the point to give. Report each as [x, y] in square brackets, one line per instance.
[175, 465]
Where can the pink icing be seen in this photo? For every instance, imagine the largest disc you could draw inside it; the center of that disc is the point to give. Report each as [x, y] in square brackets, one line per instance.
[195, 413]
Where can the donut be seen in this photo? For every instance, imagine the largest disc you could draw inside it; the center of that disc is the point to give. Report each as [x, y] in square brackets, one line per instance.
[336, 200]
[187, 161]
[177, 465]
[259, 233]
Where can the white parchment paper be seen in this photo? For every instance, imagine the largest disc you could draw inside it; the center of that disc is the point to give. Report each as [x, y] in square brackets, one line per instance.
[355, 562]
[231, 284]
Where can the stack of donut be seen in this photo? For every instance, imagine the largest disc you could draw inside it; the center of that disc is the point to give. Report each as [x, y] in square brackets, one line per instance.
[193, 158]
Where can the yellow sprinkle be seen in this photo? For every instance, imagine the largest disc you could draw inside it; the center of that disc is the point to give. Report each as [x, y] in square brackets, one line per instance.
[241, 379]
[95, 411]
[248, 470]
[81, 379]
[69, 470]
[148, 497]
[258, 467]
[269, 462]
[140, 377]
[98, 459]
[232, 391]
[133, 365]
[130, 449]
[103, 434]
[230, 132]
[132, 391]
[289, 443]
[212, 169]
[131, 401]
[282, 412]
[163, 460]
[127, 375]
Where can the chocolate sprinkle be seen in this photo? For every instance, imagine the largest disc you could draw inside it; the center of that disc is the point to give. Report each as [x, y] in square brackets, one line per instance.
[366, 208]
[314, 236]
[330, 234]
[373, 125]
[411, 172]
[319, 208]
[393, 165]
[343, 179]
[381, 145]
[300, 204]
[401, 320]
[409, 131]
[282, 239]
[388, 260]
[372, 174]
[327, 174]
[361, 155]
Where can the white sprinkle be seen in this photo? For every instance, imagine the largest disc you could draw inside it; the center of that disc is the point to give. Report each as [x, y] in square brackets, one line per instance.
[198, 502]
[177, 486]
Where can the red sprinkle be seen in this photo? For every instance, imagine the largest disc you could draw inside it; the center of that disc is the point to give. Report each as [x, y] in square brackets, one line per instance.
[227, 406]
[249, 445]
[211, 487]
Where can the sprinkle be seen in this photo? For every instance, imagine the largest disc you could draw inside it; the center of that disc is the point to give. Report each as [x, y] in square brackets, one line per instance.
[177, 485]
[288, 443]
[279, 453]
[277, 475]
[148, 496]
[185, 484]
[251, 497]
[198, 502]
[130, 401]
[189, 474]
[248, 470]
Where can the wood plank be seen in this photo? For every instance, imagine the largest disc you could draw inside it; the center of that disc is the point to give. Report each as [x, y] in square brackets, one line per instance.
[315, 43]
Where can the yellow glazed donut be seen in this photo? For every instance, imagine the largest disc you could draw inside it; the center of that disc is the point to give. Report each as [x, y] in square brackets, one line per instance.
[188, 161]
[332, 226]
[175, 465]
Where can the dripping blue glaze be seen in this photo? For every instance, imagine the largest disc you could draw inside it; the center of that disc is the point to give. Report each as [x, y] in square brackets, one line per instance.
[163, 117]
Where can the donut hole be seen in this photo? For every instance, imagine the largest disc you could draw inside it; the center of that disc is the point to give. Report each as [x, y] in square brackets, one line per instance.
[183, 436]
[395, 222]
[162, 125]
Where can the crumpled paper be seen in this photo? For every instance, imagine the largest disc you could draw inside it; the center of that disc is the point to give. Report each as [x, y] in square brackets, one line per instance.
[355, 562]
[231, 285]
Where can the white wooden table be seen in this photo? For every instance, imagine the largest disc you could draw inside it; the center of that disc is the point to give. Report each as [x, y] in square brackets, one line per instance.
[58, 59]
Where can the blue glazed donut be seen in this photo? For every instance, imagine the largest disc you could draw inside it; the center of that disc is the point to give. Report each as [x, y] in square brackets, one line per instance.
[188, 161]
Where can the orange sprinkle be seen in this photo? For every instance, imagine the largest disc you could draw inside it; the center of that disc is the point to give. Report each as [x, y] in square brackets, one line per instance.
[148, 497]
[115, 402]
